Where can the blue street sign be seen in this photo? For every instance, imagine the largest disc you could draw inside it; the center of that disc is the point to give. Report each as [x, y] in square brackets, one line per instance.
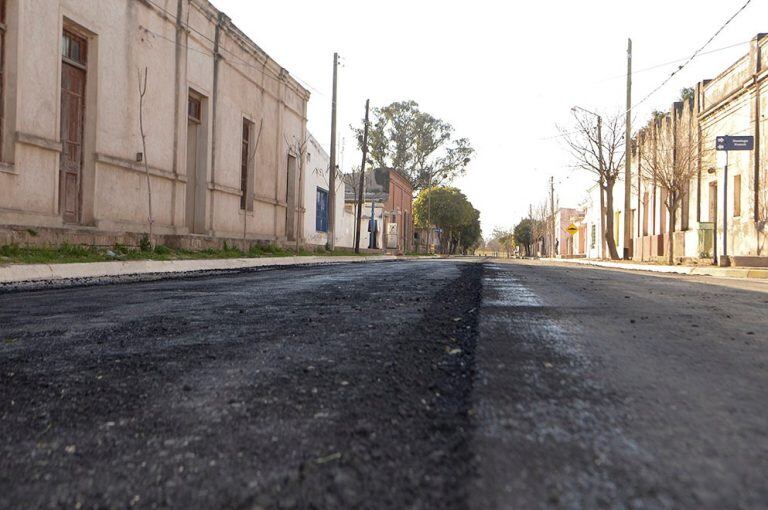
[735, 143]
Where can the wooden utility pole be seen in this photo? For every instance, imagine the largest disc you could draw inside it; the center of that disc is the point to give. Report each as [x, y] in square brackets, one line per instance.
[553, 237]
[627, 158]
[330, 244]
[362, 179]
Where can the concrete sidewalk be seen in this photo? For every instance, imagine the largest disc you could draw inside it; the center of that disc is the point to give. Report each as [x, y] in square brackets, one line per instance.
[18, 273]
[720, 272]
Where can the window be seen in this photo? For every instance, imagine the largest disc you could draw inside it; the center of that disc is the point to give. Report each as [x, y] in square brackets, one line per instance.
[73, 49]
[736, 195]
[193, 109]
[321, 211]
[245, 158]
[593, 236]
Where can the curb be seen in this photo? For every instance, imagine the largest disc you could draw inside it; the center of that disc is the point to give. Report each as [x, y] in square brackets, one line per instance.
[719, 272]
[54, 272]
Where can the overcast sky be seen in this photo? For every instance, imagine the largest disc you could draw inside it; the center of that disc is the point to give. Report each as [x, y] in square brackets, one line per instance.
[503, 73]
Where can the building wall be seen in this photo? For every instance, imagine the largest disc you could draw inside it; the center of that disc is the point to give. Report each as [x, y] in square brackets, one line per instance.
[126, 37]
[316, 176]
[346, 226]
[730, 104]
[567, 245]
[399, 209]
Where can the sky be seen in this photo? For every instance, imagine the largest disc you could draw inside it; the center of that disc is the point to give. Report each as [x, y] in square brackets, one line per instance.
[504, 74]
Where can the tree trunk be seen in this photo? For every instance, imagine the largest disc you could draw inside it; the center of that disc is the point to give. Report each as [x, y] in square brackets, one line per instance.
[609, 239]
[672, 219]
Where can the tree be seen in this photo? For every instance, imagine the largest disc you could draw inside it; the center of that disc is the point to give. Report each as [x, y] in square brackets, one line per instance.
[541, 225]
[598, 147]
[669, 161]
[687, 94]
[470, 234]
[452, 213]
[524, 235]
[505, 239]
[142, 78]
[418, 144]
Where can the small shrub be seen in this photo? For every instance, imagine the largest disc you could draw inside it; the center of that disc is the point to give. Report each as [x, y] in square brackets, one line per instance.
[69, 250]
[144, 243]
[162, 250]
[10, 250]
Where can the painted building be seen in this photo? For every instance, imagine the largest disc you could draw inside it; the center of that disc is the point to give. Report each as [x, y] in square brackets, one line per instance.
[730, 104]
[317, 198]
[567, 245]
[224, 123]
[398, 209]
[392, 198]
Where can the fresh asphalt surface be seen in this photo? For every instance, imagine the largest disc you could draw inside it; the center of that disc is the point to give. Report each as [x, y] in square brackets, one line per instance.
[426, 384]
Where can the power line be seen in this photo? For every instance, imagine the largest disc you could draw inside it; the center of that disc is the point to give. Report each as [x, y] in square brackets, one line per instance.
[693, 56]
[699, 51]
[669, 63]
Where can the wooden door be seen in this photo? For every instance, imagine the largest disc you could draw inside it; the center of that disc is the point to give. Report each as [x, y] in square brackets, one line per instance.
[195, 196]
[72, 119]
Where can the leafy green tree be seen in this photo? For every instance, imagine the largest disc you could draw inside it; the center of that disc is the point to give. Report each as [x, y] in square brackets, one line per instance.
[418, 144]
[449, 210]
[524, 235]
[470, 235]
[505, 238]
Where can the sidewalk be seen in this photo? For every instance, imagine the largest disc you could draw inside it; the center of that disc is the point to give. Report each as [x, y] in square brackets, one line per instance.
[18, 273]
[720, 272]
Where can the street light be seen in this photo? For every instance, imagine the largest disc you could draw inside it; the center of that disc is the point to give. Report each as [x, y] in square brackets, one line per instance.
[602, 172]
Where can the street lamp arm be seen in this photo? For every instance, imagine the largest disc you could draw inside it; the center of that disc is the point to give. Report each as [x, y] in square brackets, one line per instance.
[574, 108]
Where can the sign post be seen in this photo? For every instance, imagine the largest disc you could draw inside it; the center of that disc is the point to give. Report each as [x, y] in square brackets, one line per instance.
[729, 143]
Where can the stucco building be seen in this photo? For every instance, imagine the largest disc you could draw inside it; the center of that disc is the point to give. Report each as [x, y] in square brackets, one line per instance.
[225, 123]
[730, 104]
[392, 197]
[317, 198]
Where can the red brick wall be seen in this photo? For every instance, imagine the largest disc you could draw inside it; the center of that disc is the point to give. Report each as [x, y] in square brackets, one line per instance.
[399, 207]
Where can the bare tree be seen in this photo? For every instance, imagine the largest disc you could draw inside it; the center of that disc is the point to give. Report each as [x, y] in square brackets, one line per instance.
[669, 159]
[298, 148]
[541, 226]
[248, 197]
[598, 147]
[142, 79]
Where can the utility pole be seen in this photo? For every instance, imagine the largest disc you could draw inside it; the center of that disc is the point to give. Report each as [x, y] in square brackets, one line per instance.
[330, 244]
[627, 155]
[553, 237]
[362, 179]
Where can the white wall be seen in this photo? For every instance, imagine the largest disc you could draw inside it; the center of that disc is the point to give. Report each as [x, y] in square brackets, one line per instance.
[316, 176]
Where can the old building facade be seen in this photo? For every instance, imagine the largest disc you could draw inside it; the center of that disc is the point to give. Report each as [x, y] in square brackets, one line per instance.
[225, 124]
[317, 197]
[733, 103]
[709, 211]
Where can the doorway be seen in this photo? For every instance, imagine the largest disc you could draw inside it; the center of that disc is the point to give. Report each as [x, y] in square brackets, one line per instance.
[73, 75]
[196, 182]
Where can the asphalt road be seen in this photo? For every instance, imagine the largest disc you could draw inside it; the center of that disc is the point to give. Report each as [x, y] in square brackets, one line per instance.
[430, 384]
